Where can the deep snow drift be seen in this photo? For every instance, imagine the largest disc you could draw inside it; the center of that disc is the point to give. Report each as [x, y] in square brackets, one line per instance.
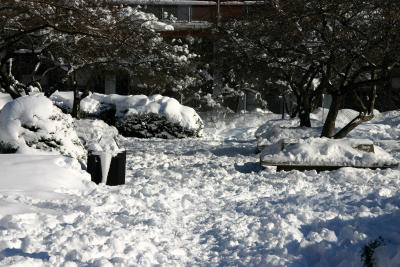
[206, 202]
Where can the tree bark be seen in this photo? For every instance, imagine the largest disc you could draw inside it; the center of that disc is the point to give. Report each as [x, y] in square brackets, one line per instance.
[76, 106]
[305, 119]
[6, 83]
[304, 110]
[329, 125]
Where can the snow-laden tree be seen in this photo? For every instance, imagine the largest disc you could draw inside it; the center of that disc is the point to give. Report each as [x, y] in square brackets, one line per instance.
[313, 46]
[79, 34]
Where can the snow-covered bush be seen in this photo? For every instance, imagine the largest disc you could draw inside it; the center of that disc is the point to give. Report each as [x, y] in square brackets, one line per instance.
[138, 115]
[31, 124]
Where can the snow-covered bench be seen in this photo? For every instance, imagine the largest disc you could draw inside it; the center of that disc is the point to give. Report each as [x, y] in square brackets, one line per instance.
[319, 168]
[323, 154]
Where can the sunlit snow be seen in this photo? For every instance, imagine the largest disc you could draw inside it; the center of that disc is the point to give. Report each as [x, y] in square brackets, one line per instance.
[201, 202]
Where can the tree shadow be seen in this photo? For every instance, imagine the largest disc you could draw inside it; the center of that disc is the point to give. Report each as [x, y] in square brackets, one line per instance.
[11, 252]
[249, 167]
[233, 151]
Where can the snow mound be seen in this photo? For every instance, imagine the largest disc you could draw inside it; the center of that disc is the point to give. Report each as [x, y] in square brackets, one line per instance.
[32, 124]
[138, 115]
[327, 152]
[42, 176]
[96, 135]
[4, 99]
[276, 130]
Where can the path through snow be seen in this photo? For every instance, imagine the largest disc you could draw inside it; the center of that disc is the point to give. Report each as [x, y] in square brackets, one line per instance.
[206, 202]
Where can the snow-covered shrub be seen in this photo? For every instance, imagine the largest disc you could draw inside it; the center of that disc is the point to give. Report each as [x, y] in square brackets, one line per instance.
[155, 116]
[31, 124]
[138, 115]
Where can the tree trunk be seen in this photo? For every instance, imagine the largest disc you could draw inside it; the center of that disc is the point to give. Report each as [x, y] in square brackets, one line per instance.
[366, 115]
[304, 110]
[6, 84]
[329, 125]
[76, 106]
[305, 119]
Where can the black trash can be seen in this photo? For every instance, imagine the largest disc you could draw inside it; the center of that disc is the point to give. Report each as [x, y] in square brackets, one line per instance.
[116, 173]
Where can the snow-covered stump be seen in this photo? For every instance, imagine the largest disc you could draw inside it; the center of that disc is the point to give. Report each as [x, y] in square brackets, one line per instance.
[107, 168]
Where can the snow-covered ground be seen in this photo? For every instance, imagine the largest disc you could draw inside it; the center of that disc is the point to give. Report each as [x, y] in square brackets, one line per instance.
[202, 202]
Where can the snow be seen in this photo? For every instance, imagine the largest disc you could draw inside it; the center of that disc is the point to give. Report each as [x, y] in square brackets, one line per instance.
[4, 99]
[202, 202]
[45, 177]
[105, 161]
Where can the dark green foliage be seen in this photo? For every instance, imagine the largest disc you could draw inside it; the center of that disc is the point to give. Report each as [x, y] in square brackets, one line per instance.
[106, 113]
[367, 255]
[152, 125]
[7, 148]
[31, 128]
[53, 143]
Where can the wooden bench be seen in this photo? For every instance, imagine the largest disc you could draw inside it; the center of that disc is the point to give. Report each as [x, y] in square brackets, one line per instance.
[319, 168]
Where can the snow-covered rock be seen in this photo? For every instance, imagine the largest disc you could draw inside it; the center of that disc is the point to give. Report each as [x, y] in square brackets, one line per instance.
[138, 115]
[32, 124]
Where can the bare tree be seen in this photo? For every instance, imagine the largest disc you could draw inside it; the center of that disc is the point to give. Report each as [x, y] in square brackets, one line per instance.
[338, 47]
[78, 34]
